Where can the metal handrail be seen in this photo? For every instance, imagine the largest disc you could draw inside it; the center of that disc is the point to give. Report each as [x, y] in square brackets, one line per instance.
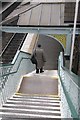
[71, 106]
[10, 73]
[10, 80]
[74, 78]
[16, 68]
[62, 71]
[12, 64]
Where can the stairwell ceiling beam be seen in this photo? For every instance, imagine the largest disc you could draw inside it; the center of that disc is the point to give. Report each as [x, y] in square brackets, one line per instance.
[39, 30]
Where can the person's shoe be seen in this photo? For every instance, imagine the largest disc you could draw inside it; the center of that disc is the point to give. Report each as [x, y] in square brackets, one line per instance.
[37, 72]
[41, 71]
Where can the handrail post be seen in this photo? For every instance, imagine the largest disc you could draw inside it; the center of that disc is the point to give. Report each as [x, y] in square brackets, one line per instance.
[74, 30]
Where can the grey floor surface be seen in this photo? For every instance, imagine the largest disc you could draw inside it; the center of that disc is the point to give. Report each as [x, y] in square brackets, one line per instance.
[44, 83]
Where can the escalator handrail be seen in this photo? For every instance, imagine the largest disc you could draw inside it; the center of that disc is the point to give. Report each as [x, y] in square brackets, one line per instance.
[22, 41]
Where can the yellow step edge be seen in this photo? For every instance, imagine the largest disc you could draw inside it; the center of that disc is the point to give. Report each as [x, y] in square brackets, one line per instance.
[55, 96]
[56, 77]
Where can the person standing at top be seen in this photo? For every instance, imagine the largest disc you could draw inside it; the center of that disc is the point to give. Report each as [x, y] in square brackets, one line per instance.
[40, 57]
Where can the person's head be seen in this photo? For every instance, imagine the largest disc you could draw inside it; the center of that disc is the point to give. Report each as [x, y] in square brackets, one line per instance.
[39, 45]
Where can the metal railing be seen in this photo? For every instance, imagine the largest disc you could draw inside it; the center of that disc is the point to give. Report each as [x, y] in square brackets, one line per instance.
[11, 74]
[70, 91]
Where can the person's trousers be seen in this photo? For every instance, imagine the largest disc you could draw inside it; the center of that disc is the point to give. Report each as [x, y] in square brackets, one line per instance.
[37, 70]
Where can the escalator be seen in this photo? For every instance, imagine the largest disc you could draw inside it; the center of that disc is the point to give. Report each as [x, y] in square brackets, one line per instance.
[5, 39]
[12, 48]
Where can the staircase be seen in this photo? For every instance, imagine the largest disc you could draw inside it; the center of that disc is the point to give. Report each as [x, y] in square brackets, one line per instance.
[22, 107]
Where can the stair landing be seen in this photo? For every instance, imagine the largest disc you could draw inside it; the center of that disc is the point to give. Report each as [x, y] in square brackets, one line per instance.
[45, 83]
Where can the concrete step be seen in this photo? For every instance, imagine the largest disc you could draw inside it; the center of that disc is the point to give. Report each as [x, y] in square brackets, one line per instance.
[20, 107]
[30, 111]
[31, 107]
[34, 99]
[33, 103]
[31, 118]
[26, 115]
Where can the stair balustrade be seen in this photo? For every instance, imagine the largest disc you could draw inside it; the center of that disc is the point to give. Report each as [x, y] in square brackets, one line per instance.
[11, 74]
[70, 91]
